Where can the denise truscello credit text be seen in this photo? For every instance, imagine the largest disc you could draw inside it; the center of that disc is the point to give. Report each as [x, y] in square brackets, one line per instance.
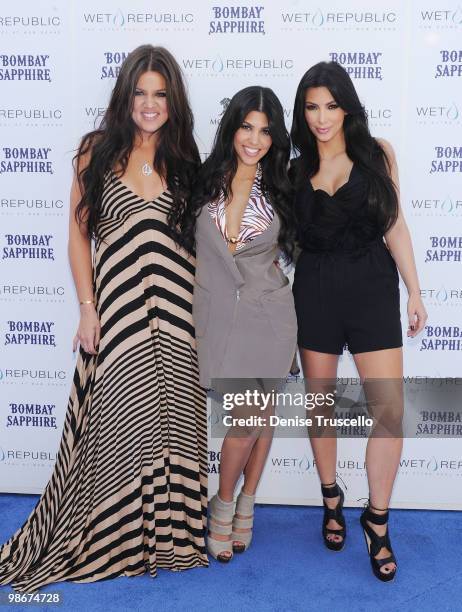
[275, 421]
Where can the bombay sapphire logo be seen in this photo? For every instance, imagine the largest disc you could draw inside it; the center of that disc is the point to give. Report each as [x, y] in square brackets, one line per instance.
[360, 64]
[31, 415]
[447, 160]
[450, 64]
[441, 338]
[30, 333]
[436, 114]
[121, 19]
[28, 246]
[446, 249]
[25, 68]
[30, 160]
[213, 466]
[113, 63]
[441, 17]
[237, 20]
[339, 19]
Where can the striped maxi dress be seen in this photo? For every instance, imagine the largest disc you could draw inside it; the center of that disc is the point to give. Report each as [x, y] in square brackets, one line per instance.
[129, 490]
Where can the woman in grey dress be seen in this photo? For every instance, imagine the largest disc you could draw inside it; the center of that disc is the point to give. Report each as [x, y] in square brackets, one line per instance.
[243, 306]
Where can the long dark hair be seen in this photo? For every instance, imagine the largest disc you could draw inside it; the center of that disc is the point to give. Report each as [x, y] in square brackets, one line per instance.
[361, 147]
[218, 170]
[176, 157]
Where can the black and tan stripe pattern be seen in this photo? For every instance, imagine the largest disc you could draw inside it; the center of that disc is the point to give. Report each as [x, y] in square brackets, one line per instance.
[129, 490]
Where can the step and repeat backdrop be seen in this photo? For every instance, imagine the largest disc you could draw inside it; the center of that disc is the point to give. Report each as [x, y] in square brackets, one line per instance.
[58, 64]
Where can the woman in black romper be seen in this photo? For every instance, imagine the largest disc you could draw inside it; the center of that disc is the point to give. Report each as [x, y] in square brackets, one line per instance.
[353, 237]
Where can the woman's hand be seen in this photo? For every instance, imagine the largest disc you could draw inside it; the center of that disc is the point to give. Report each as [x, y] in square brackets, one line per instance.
[417, 315]
[88, 332]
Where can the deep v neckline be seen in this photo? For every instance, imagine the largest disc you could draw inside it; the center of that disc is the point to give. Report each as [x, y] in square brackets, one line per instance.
[127, 188]
[332, 195]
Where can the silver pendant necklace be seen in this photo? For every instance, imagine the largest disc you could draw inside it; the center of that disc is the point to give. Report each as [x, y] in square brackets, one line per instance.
[146, 169]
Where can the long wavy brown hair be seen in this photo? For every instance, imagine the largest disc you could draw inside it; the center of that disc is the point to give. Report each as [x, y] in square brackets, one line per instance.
[176, 157]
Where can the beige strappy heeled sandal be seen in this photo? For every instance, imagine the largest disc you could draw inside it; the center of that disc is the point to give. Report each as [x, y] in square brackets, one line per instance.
[244, 506]
[222, 511]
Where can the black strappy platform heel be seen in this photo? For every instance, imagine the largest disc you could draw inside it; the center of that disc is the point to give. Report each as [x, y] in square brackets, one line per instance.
[375, 542]
[333, 513]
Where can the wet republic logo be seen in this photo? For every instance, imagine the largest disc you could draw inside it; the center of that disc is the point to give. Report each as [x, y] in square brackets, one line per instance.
[340, 20]
[448, 206]
[120, 19]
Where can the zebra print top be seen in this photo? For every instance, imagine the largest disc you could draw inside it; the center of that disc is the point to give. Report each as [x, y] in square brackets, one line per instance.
[257, 216]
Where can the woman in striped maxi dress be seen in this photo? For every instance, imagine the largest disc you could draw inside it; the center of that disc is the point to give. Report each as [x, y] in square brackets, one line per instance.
[129, 490]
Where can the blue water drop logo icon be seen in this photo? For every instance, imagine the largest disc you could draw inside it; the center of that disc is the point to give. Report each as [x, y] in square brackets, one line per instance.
[442, 295]
[457, 16]
[304, 463]
[452, 112]
[318, 18]
[447, 205]
[118, 19]
[213, 417]
[432, 465]
[217, 64]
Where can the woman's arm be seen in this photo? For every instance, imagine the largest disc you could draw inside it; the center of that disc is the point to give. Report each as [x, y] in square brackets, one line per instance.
[399, 242]
[79, 248]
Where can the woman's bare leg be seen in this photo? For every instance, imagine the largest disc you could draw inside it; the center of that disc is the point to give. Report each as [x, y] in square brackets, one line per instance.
[384, 447]
[320, 372]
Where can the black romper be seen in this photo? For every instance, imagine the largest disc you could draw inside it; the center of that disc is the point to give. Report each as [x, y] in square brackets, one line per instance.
[346, 285]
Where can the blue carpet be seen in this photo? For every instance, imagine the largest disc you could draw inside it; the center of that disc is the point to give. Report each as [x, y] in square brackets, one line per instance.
[286, 569]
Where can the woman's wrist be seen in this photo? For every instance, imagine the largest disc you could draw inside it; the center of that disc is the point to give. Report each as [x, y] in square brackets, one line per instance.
[87, 306]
